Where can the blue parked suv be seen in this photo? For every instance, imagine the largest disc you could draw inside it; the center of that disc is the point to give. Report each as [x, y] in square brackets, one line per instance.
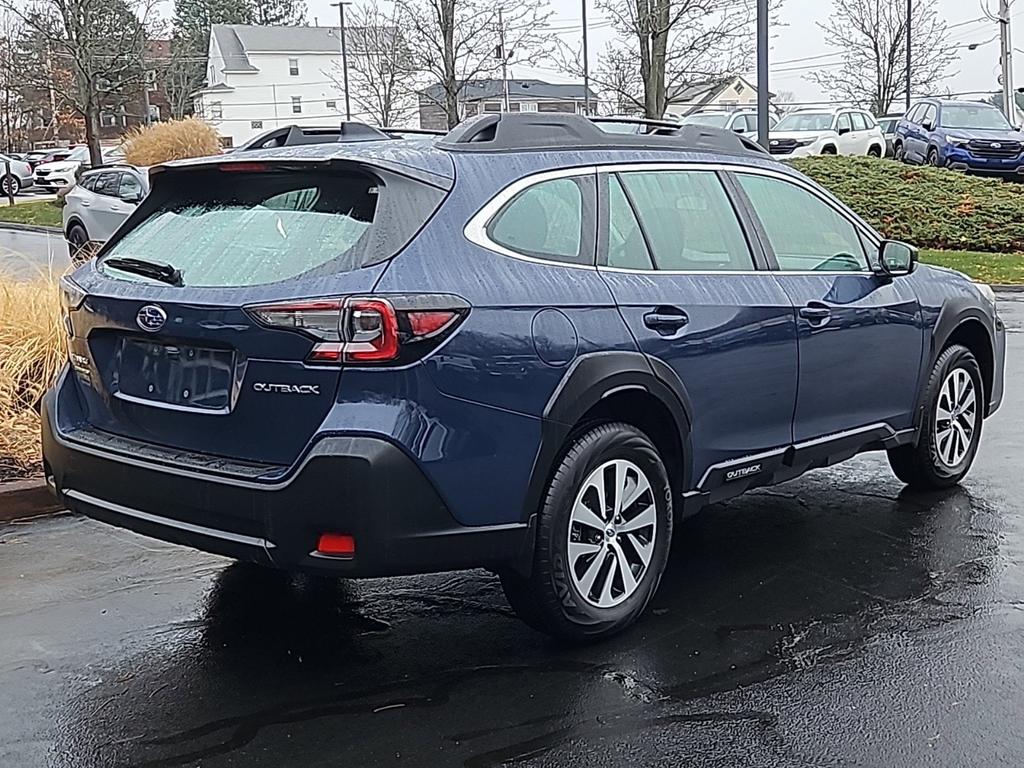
[530, 346]
[962, 135]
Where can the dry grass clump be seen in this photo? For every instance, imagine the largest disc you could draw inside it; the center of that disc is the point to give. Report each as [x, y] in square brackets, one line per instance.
[172, 140]
[32, 351]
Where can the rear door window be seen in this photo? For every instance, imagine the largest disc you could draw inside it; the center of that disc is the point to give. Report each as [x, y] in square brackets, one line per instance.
[859, 123]
[544, 221]
[107, 183]
[235, 229]
[689, 223]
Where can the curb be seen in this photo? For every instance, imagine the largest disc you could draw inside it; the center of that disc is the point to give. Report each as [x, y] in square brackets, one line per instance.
[39, 228]
[26, 498]
[1009, 288]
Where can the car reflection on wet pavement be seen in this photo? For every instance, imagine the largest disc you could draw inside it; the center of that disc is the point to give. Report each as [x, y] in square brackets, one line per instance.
[835, 620]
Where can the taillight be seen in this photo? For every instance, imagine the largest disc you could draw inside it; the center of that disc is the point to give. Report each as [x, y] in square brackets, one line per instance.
[393, 329]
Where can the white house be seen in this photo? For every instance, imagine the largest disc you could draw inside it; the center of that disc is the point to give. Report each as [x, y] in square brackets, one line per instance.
[266, 77]
[729, 93]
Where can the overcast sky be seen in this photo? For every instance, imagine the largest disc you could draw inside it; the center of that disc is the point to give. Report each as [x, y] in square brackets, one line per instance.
[797, 36]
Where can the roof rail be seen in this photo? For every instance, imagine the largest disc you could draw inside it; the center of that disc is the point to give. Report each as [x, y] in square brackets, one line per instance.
[546, 131]
[395, 132]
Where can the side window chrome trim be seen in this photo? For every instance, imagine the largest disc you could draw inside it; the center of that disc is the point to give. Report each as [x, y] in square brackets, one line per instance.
[476, 228]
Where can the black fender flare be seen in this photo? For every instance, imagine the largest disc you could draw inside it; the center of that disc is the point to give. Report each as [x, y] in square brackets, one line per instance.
[954, 313]
[586, 382]
[72, 221]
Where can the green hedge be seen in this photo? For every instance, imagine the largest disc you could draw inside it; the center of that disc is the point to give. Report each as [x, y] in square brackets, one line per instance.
[929, 207]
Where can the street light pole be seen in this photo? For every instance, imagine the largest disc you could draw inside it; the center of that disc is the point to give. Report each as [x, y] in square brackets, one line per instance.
[910, 20]
[1006, 60]
[344, 55]
[762, 72]
[586, 62]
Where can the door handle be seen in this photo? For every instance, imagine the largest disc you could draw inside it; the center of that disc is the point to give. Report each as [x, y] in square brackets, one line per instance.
[817, 314]
[666, 320]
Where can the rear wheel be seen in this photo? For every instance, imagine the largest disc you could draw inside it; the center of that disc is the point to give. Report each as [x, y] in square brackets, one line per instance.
[78, 239]
[899, 152]
[933, 157]
[874, 151]
[951, 427]
[602, 538]
[829, 150]
[10, 185]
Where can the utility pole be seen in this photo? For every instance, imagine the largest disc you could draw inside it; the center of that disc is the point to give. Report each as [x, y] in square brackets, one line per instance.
[1006, 59]
[586, 63]
[910, 59]
[504, 59]
[344, 55]
[762, 72]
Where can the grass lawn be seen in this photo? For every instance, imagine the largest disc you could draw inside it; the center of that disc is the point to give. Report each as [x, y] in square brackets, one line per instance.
[995, 268]
[42, 213]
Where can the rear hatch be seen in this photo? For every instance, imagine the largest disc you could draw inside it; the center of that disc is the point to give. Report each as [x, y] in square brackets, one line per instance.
[171, 343]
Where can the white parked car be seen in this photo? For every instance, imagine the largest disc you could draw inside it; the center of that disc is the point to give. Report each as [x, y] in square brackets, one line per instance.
[843, 131]
[101, 200]
[53, 176]
[742, 121]
[19, 178]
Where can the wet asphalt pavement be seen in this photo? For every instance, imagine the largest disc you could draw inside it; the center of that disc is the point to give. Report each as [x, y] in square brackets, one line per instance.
[25, 255]
[832, 621]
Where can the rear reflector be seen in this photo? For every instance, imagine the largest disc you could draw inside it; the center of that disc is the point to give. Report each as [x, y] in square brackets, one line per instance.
[428, 323]
[336, 544]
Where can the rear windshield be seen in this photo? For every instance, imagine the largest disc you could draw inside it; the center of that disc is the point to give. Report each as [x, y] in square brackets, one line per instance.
[231, 229]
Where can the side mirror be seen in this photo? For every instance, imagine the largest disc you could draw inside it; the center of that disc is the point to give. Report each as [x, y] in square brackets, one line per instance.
[928, 126]
[895, 259]
[844, 131]
[134, 197]
[739, 129]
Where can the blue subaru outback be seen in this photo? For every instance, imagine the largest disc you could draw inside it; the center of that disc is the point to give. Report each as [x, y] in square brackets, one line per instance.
[530, 346]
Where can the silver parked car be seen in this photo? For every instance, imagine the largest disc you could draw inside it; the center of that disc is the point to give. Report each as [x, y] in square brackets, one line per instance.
[19, 178]
[101, 200]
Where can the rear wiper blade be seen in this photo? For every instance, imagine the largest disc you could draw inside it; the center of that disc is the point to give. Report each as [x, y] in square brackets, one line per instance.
[165, 273]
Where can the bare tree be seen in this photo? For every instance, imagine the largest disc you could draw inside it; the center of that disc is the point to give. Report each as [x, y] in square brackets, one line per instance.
[784, 102]
[381, 68]
[12, 108]
[101, 43]
[457, 41]
[873, 36]
[666, 45]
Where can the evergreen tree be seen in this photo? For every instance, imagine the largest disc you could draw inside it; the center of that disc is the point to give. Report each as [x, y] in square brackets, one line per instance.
[278, 13]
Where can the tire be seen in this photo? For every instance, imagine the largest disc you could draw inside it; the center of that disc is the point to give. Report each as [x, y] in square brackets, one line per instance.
[11, 185]
[933, 157]
[77, 239]
[829, 150]
[938, 461]
[899, 152]
[579, 594]
[874, 151]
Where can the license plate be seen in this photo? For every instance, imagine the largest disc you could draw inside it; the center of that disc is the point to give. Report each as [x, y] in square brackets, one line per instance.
[175, 375]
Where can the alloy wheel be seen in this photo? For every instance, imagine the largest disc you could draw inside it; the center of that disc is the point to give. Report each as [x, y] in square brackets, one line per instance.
[612, 532]
[955, 417]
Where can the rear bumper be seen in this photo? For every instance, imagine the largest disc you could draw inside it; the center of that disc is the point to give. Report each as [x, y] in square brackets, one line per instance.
[362, 486]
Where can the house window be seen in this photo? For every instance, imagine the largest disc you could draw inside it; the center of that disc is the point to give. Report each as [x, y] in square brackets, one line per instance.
[296, 105]
[226, 142]
[151, 80]
[216, 110]
[528, 106]
[293, 67]
[154, 112]
[492, 106]
[332, 104]
[738, 87]
[256, 125]
[107, 120]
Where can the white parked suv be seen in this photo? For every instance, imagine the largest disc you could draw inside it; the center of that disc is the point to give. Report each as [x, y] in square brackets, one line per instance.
[742, 121]
[97, 205]
[843, 131]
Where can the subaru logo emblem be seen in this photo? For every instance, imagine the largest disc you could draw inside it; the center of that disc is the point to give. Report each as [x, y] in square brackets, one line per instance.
[151, 318]
[996, 145]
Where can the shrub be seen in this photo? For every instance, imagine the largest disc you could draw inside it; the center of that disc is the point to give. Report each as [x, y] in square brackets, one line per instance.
[172, 140]
[929, 207]
[32, 350]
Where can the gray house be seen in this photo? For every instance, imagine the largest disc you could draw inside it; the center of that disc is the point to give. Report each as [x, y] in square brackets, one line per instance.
[481, 96]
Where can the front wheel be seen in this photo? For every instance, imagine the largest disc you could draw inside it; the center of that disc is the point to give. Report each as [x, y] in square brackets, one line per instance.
[899, 152]
[933, 157]
[951, 426]
[603, 537]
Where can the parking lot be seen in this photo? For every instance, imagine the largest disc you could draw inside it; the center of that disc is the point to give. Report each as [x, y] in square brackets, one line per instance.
[835, 620]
